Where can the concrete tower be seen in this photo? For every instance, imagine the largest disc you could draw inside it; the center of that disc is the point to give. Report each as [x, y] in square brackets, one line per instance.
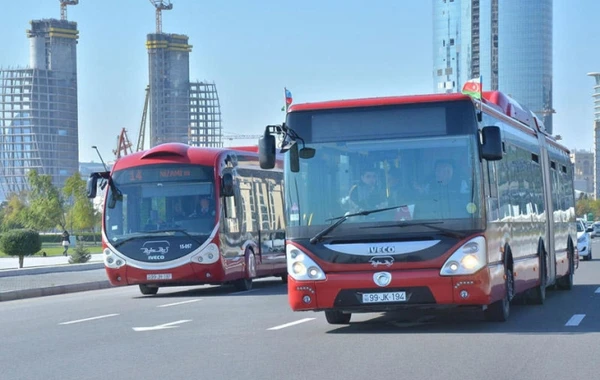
[596, 96]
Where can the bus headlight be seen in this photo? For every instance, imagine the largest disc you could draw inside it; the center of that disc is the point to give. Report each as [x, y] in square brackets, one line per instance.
[301, 267]
[468, 259]
[112, 259]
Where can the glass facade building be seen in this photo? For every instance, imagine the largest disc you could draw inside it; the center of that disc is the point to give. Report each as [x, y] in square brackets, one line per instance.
[507, 43]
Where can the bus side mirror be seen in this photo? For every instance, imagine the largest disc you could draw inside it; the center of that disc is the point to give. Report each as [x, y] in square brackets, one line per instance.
[92, 185]
[266, 151]
[227, 185]
[491, 145]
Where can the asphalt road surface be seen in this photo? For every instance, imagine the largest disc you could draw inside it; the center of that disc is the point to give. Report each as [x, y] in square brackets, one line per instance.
[217, 333]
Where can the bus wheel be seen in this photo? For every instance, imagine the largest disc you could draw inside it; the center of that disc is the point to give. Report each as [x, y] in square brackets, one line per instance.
[500, 310]
[245, 283]
[335, 317]
[148, 290]
[539, 292]
[566, 282]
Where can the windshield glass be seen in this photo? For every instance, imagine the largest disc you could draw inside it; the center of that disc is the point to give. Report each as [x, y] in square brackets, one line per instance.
[159, 201]
[434, 178]
[580, 226]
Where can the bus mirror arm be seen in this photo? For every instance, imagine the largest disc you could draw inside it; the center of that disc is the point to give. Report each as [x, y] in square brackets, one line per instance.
[491, 144]
[266, 146]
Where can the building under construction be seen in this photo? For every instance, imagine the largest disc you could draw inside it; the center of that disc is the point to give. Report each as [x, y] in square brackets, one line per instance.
[179, 110]
[38, 108]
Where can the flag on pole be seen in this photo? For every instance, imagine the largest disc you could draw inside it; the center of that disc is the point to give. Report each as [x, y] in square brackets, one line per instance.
[288, 99]
[473, 88]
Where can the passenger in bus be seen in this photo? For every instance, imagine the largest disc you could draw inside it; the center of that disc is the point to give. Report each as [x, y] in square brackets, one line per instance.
[444, 180]
[178, 212]
[203, 208]
[367, 194]
[154, 222]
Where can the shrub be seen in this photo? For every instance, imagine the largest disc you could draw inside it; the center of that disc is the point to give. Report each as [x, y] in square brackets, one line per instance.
[21, 242]
[81, 254]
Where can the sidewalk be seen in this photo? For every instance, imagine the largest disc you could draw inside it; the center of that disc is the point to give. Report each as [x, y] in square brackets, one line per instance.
[44, 276]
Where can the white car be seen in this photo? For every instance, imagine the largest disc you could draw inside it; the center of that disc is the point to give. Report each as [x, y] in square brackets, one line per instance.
[584, 242]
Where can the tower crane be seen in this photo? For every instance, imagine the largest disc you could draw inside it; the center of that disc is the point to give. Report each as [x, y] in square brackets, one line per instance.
[142, 132]
[160, 5]
[123, 145]
[63, 7]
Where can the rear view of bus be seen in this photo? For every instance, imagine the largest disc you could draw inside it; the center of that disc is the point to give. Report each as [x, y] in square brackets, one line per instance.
[397, 203]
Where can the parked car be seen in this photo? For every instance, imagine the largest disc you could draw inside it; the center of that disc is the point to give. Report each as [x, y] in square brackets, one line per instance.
[596, 227]
[584, 242]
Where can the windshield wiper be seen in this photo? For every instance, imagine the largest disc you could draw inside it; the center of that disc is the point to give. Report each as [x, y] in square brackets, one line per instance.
[175, 230]
[119, 243]
[341, 219]
[431, 225]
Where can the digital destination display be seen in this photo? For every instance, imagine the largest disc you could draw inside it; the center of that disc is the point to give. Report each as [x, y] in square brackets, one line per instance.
[164, 173]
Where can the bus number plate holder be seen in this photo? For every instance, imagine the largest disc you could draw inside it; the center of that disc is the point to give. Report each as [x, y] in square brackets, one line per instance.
[384, 297]
[159, 276]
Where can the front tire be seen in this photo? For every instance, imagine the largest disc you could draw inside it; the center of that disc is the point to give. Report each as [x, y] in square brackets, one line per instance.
[499, 311]
[335, 317]
[148, 290]
[244, 284]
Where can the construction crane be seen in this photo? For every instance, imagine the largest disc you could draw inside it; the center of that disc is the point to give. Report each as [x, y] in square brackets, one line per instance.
[63, 7]
[123, 145]
[160, 6]
[142, 132]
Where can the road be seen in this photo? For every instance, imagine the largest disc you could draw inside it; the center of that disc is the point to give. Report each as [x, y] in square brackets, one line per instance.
[217, 333]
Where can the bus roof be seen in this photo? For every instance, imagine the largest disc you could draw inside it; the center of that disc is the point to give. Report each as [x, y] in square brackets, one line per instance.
[182, 152]
[379, 101]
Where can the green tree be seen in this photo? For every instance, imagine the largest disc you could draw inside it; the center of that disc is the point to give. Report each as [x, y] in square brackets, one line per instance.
[82, 214]
[46, 206]
[22, 242]
[13, 213]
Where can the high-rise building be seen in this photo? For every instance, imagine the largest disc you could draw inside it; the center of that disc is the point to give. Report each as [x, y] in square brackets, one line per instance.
[596, 96]
[584, 170]
[180, 110]
[38, 109]
[507, 43]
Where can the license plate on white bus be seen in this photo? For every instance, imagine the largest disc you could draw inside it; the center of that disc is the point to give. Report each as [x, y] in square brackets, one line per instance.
[159, 276]
[384, 297]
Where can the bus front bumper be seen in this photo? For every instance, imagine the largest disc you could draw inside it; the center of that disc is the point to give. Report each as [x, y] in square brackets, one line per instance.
[425, 288]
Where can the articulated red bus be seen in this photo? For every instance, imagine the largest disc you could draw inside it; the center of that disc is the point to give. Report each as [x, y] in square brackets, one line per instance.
[431, 201]
[179, 215]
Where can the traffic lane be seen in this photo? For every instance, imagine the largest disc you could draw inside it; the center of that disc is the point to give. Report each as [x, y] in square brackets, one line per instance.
[39, 314]
[65, 349]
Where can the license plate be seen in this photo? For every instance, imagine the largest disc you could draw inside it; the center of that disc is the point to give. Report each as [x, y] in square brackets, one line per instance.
[159, 276]
[384, 297]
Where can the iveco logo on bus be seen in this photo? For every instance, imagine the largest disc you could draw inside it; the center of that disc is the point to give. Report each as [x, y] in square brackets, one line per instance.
[382, 249]
[155, 250]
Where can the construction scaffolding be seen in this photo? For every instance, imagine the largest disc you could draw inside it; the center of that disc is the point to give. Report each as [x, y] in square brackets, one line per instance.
[205, 116]
[169, 72]
[38, 120]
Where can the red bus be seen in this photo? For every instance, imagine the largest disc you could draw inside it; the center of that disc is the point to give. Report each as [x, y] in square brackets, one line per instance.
[177, 215]
[429, 201]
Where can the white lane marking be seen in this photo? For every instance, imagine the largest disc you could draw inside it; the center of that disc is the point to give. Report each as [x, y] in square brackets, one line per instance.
[244, 292]
[169, 325]
[291, 324]
[597, 290]
[88, 319]
[575, 320]
[179, 303]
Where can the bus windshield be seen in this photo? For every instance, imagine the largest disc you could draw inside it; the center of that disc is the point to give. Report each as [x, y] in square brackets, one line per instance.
[159, 201]
[432, 178]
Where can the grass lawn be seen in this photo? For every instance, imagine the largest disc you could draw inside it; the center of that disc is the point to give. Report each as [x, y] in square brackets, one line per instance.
[57, 250]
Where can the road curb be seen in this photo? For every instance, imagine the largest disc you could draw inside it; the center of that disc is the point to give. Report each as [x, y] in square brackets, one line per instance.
[51, 269]
[54, 290]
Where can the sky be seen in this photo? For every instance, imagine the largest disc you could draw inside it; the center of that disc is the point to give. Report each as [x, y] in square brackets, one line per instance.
[319, 50]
